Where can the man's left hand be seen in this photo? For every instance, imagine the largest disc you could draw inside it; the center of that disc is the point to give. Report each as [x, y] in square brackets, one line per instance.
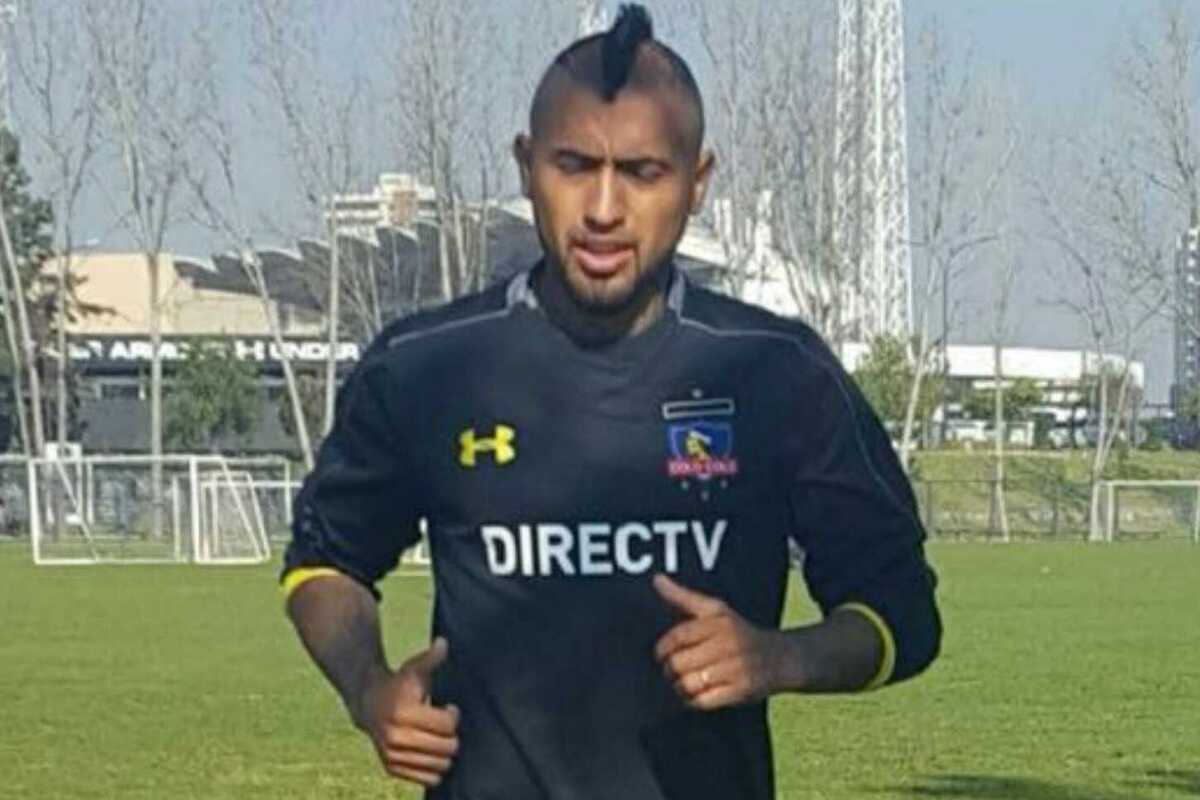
[715, 658]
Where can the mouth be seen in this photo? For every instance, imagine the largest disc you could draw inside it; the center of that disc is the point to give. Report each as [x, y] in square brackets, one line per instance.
[601, 259]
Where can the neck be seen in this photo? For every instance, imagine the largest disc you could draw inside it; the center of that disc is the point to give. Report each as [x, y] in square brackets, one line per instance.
[593, 328]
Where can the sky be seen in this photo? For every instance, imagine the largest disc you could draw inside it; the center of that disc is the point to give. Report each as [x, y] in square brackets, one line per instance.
[1057, 53]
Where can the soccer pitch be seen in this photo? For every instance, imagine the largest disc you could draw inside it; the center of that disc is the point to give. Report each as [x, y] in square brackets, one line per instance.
[1069, 672]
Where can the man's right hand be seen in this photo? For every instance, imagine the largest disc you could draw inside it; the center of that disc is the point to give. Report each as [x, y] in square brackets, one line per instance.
[415, 740]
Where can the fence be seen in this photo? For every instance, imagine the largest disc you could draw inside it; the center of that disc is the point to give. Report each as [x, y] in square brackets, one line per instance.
[967, 509]
[140, 509]
[115, 498]
[1054, 509]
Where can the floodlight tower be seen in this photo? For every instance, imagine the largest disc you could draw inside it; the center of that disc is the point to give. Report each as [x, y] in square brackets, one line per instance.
[8, 15]
[593, 18]
[871, 173]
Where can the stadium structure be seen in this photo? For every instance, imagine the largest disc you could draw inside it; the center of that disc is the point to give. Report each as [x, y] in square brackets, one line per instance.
[392, 232]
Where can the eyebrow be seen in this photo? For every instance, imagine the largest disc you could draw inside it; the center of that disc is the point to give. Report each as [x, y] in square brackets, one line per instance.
[620, 163]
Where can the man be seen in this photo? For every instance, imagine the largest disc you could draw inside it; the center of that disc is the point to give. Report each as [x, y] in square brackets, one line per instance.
[610, 463]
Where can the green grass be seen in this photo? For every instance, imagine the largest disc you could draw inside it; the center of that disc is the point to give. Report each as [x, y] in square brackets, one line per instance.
[1070, 672]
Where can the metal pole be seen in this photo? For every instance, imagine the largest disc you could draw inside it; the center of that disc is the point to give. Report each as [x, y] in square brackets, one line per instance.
[1196, 519]
[194, 494]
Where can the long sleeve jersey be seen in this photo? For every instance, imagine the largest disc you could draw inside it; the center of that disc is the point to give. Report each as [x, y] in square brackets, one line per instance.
[555, 480]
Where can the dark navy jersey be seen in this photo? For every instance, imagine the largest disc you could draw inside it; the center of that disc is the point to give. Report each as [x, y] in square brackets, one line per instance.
[556, 480]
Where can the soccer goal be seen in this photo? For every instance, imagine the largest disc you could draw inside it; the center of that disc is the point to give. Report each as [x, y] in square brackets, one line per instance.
[230, 527]
[1140, 510]
[141, 509]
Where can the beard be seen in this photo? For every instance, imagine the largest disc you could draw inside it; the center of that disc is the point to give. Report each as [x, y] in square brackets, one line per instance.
[608, 299]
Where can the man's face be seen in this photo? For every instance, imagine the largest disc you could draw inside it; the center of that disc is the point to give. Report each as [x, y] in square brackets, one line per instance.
[612, 186]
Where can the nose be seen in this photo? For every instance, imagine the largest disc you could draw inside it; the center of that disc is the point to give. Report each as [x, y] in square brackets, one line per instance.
[605, 208]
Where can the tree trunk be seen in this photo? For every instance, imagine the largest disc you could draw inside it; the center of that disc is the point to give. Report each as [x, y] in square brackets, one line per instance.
[28, 348]
[460, 244]
[14, 350]
[999, 507]
[910, 409]
[444, 252]
[331, 357]
[156, 421]
[483, 272]
[1095, 531]
[60, 312]
[285, 361]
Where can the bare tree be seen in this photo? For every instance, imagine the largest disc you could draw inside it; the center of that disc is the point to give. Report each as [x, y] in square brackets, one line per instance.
[15, 289]
[800, 160]
[964, 143]
[145, 108]
[52, 63]
[1155, 75]
[16, 355]
[1095, 205]
[1004, 277]
[220, 202]
[743, 53]
[320, 119]
[441, 92]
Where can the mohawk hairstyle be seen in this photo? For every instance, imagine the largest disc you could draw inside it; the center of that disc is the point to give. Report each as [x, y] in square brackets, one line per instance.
[619, 46]
[607, 62]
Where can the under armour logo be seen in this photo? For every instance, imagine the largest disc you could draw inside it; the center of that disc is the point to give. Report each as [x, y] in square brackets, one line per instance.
[501, 444]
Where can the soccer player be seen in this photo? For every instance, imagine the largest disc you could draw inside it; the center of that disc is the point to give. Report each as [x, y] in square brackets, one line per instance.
[610, 462]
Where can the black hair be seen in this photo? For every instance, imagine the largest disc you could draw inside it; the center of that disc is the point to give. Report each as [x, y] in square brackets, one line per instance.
[619, 47]
[605, 63]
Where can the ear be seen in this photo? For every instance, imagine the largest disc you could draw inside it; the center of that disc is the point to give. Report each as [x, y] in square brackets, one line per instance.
[523, 153]
[704, 170]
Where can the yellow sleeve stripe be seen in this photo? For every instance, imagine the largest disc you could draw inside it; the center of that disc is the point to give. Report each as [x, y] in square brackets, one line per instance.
[887, 664]
[302, 575]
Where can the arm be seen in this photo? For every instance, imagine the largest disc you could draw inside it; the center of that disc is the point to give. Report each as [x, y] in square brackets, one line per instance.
[855, 517]
[716, 658]
[845, 652]
[353, 518]
[337, 620]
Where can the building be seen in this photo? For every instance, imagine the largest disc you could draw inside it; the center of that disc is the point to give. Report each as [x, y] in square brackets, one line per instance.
[389, 233]
[388, 239]
[1064, 377]
[394, 202]
[110, 349]
[1186, 378]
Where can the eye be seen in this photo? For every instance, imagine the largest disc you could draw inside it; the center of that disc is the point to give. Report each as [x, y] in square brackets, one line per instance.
[646, 170]
[571, 163]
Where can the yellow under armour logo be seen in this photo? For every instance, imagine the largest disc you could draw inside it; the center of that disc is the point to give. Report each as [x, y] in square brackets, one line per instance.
[501, 444]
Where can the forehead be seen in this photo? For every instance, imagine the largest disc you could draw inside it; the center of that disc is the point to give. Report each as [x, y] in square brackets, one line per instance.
[653, 121]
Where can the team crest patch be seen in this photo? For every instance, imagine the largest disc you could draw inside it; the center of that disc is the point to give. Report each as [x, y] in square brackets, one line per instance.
[700, 440]
[701, 449]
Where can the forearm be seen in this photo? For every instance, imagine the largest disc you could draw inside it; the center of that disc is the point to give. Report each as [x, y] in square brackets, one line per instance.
[338, 622]
[842, 653]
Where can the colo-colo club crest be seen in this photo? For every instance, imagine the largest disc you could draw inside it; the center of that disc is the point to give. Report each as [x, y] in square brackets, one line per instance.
[700, 441]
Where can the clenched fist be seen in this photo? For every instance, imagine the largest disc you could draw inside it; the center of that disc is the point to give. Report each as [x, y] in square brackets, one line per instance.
[415, 740]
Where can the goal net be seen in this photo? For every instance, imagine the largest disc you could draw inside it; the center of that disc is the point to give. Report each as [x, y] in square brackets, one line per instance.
[276, 499]
[230, 527]
[1150, 510]
[141, 509]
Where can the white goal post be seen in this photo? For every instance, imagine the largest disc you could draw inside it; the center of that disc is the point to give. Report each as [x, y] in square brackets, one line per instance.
[100, 509]
[1151, 509]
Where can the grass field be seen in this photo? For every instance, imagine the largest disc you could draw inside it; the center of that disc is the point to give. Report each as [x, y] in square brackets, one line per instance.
[1070, 672]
